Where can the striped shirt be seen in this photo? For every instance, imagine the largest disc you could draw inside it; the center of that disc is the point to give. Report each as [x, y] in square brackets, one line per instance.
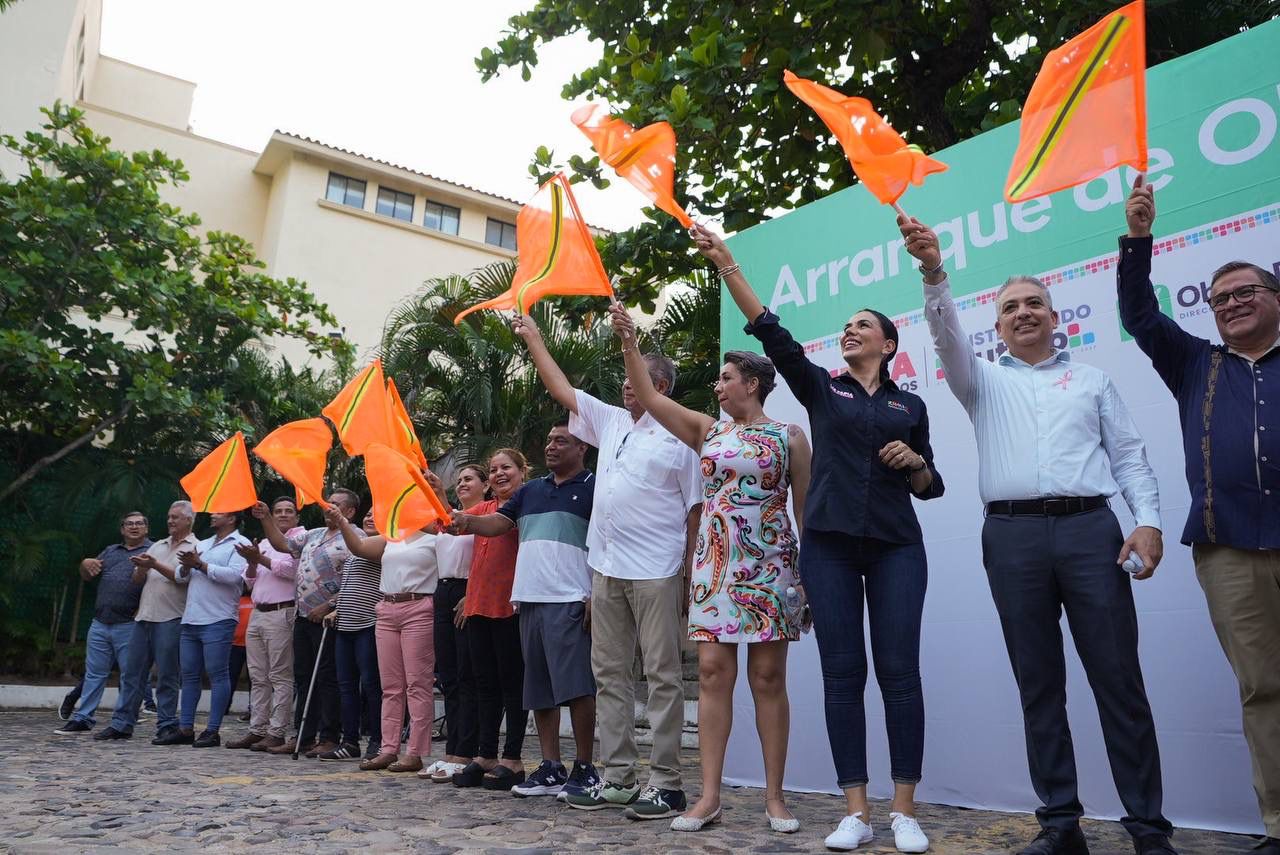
[551, 566]
[359, 594]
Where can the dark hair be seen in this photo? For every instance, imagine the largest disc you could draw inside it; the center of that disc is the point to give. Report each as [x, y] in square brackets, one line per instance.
[753, 366]
[278, 499]
[348, 496]
[124, 517]
[661, 368]
[563, 422]
[481, 472]
[1268, 278]
[891, 334]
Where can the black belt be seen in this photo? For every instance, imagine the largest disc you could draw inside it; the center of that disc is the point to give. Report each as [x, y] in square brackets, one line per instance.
[273, 607]
[447, 580]
[1055, 507]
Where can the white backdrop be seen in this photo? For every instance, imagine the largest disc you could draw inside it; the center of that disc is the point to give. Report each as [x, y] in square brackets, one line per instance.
[974, 749]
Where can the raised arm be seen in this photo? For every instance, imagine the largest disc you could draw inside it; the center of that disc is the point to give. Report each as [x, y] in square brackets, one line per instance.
[711, 246]
[800, 457]
[274, 535]
[686, 425]
[368, 548]
[549, 372]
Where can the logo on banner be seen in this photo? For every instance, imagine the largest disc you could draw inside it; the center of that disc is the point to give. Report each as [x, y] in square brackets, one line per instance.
[902, 371]
[1073, 333]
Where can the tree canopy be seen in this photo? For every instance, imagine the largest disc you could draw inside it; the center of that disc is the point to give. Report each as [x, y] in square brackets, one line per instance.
[940, 72]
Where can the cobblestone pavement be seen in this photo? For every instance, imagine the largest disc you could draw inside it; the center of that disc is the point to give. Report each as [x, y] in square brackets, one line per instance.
[72, 794]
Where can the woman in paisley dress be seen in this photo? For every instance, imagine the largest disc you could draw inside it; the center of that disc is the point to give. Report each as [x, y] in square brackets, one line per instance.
[744, 565]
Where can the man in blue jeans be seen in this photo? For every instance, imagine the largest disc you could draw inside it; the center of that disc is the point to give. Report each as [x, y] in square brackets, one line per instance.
[107, 644]
[156, 629]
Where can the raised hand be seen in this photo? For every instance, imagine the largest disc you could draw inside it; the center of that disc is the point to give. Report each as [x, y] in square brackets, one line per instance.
[921, 242]
[260, 510]
[524, 327]
[710, 245]
[333, 516]
[623, 326]
[1140, 209]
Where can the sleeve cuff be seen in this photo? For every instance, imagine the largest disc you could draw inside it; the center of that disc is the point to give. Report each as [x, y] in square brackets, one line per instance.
[765, 319]
[1147, 517]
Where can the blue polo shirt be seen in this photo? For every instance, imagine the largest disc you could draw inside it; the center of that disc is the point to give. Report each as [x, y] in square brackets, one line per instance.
[117, 594]
[551, 566]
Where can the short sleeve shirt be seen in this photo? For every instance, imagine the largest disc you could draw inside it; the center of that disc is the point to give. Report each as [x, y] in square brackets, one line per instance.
[321, 555]
[118, 596]
[552, 520]
[162, 598]
[493, 569]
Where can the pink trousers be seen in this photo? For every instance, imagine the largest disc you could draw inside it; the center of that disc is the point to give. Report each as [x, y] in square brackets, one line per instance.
[407, 664]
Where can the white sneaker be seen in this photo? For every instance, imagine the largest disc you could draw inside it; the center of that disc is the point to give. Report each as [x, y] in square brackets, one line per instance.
[907, 835]
[851, 833]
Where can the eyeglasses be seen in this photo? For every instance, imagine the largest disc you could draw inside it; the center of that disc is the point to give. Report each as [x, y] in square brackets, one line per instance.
[1243, 294]
[135, 523]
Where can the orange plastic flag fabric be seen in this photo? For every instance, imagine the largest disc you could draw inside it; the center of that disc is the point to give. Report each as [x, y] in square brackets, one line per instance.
[402, 426]
[880, 157]
[1087, 111]
[222, 482]
[646, 158]
[299, 451]
[403, 501]
[557, 253]
[360, 411]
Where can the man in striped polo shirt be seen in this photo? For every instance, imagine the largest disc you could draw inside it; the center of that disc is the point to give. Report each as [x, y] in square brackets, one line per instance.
[552, 593]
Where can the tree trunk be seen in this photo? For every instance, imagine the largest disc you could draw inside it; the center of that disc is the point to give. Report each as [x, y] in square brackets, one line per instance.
[44, 462]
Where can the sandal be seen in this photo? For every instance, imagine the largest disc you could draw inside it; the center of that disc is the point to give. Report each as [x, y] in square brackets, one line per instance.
[502, 779]
[431, 770]
[444, 772]
[407, 763]
[472, 775]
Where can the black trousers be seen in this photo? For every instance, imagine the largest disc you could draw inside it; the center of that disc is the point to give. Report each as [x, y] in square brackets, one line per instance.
[323, 714]
[454, 671]
[235, 667]
[499, 670]
[1039, 566]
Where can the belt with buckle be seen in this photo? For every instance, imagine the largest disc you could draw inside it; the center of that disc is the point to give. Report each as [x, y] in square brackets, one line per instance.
[405, 597]
[1053, 507]
[273, 607]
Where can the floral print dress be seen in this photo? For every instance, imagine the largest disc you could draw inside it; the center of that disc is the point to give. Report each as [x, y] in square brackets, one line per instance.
[746, 551]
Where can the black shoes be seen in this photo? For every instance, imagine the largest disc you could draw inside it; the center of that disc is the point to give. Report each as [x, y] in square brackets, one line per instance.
[1057, 841]
[111, 733]
[208, 739]
[68, 705]
[1268, 846]
[1153, 844]
[174, 736]
[73, 727]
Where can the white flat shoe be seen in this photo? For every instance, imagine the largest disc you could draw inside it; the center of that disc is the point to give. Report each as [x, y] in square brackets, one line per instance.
[907, 835]
[850, 834]
[781, 825]
[430, 770]
[694, 823]
[445, 771]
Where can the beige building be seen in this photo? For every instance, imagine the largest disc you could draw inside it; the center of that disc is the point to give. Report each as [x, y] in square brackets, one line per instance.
[361, 232]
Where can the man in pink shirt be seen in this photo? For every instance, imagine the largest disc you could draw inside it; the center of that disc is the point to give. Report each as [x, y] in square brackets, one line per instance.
[269, 639]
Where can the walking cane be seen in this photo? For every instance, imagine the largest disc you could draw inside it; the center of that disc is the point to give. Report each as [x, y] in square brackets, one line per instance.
[306, 705]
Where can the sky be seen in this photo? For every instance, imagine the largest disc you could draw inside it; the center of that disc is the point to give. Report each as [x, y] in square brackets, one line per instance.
[390, 79]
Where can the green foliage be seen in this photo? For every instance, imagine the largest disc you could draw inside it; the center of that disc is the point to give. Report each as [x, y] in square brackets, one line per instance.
[940, 72]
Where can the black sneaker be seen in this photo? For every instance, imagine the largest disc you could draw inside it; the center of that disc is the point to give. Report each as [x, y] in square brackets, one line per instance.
[174, 736]
[1153, 844]
[345, 751]
[582, 780]
[76, 725]
[546, 780]
[68, 705]
[111, 733]
[208, 739]
[1057, 841]
[655, 803]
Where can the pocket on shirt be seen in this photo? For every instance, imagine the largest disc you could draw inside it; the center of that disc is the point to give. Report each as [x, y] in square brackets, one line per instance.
[654, 468]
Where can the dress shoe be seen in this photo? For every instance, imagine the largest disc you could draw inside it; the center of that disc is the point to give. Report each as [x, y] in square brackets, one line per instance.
[111, 733]
[1057, 841]
[283, 748]
[382, 761]
[320, 748]
[208, 739]
[247, 741]
[408, 763]
[175, 736]
[266, 743]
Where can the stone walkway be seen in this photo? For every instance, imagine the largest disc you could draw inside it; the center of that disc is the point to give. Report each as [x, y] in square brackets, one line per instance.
[72, 794]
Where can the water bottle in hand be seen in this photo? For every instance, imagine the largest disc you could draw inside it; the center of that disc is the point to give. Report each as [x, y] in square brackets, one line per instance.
[794, 608]
[1133, 564]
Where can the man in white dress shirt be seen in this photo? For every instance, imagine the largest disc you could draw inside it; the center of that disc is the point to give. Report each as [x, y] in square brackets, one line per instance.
[1054, 440]
[639, 543]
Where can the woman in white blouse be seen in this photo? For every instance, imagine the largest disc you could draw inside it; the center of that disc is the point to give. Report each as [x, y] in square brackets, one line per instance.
[406, 647]
[453, 660]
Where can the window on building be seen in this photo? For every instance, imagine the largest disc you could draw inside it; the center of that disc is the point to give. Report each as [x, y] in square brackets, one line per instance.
[442, 218]
[345, 191]
[80, 62]
[500, 234]
[393, 203]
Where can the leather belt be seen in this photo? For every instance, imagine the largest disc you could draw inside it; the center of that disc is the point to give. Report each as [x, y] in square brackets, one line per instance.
[405, 597]
[273, 607]
[1054, 507]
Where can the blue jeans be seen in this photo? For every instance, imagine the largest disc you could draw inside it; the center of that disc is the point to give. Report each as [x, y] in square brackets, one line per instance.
[107, 645]
[158, 643]
[206, 648]
[839, 571]
[359, 684]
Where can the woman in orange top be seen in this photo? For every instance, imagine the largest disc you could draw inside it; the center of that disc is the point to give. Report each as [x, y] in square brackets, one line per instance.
[493, 636]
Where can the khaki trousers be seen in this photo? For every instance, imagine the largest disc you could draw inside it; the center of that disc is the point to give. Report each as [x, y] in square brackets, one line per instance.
[623, 610]
[268, 644]
[1242, 587]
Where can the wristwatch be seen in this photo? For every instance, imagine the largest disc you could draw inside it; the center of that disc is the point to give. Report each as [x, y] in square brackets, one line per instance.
[924, 464]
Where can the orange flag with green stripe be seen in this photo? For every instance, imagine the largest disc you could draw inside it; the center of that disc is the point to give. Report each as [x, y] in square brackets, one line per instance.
[403, 501]
[299, 451]
[402, 426]
[222, 482]
[557, 253]
[361, 412]
[1087, 111]
[645, 158]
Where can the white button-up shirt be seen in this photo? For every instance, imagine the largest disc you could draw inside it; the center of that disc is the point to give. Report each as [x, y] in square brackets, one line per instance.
[1056, 428]
[646, 482]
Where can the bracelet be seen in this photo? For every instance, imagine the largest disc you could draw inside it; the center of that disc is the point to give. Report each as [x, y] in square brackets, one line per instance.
[935, 270]
[722, 272]
[924, 464]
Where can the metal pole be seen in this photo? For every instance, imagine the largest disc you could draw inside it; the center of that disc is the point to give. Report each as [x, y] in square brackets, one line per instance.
[306, 705]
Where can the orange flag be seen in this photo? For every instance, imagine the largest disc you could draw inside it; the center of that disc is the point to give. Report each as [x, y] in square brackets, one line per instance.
[402, 426]
[881, 159]
[403, 501]
[557, 253]
[299, 451]
[360, 411]
[1087, 111]
[646, 158]
[222, 482]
